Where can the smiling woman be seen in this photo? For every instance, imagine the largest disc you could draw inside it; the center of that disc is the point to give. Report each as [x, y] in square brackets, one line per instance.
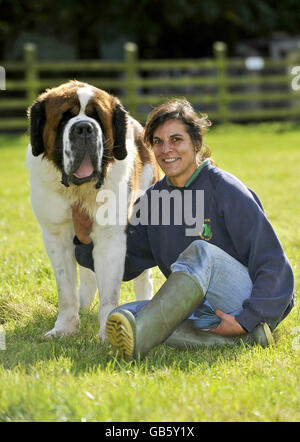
[230, 279]
[175, 152]
[181, 111]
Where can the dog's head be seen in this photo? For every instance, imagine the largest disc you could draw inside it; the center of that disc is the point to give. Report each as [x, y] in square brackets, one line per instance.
[81, 129]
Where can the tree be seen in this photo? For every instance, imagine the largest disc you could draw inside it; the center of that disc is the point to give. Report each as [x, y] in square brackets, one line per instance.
[161, 28]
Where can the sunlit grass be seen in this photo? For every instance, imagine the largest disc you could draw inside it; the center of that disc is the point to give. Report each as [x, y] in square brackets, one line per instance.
[75, 378]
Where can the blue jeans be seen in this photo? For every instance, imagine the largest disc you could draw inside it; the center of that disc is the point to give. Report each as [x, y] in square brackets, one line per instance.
[224, 280]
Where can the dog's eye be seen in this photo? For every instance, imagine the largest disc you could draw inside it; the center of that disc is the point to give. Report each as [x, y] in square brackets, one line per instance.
[93, 114]
[67, 115]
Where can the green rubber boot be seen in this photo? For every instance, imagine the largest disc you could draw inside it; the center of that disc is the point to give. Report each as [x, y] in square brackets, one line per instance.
[174, 302]
[261, 335]
[186, 335]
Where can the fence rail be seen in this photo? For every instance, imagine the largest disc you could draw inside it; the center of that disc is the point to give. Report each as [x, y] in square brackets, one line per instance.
[226, 89]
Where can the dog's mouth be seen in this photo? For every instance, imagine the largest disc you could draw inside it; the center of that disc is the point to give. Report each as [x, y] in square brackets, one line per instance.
[86, 168]
[84, 172]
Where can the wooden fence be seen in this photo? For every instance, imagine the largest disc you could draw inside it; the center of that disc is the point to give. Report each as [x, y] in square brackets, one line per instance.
[227, 89]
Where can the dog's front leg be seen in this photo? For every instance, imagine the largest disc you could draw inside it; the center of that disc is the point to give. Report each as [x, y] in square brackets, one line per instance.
[60, 250]
[109, 259]
[143, 285]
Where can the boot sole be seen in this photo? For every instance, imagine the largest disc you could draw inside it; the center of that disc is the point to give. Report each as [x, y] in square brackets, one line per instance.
[120, 334]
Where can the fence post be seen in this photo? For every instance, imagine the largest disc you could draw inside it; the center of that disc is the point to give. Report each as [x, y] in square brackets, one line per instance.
[31, 72]
[220, 49]
[131, 75]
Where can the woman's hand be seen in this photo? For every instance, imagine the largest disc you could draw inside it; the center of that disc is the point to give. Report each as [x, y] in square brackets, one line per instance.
[228, 326]
[82, 224]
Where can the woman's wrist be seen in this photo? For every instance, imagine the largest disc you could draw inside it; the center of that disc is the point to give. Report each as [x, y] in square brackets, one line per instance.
[84, 239]
[78, 240]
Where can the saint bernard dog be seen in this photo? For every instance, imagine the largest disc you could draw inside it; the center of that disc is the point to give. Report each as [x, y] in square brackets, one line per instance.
[83, 142]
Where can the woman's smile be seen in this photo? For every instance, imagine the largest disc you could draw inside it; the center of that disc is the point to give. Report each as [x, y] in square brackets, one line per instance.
[170, 160]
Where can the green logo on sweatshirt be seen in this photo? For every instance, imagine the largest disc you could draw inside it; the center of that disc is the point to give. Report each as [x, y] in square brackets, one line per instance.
[206, 233]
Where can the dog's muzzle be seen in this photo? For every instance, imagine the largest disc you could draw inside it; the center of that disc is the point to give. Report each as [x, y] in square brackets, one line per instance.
[83, 151]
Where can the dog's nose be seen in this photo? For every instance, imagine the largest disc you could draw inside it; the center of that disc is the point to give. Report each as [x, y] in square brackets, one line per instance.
[84, 129]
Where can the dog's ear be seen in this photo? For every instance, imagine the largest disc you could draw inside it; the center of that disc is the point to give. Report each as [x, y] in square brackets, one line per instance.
[119, 124]
[37, 117]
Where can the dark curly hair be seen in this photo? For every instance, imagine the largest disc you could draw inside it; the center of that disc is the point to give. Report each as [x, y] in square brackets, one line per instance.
[182, 110]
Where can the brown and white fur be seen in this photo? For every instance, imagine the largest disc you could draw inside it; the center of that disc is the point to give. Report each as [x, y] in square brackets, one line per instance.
[75, 127]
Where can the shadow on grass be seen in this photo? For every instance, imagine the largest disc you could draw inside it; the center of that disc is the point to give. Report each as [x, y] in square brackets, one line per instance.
[26, 347]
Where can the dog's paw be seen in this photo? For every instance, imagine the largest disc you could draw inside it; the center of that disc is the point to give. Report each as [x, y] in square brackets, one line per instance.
[59, 332]
[54, 333]
[102, 337]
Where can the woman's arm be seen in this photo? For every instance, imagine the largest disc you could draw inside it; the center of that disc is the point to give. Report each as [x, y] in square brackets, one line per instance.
[138, 255]
[82, 224]
[82, 241]
[258, 247]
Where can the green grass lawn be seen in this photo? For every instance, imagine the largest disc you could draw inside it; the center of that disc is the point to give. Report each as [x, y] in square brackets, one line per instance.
[76, 379]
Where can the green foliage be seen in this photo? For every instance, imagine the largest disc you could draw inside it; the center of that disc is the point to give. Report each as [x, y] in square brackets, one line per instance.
[162, 28]
[77, 379]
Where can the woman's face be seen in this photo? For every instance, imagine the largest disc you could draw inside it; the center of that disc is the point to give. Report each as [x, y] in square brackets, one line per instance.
[174, 151]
